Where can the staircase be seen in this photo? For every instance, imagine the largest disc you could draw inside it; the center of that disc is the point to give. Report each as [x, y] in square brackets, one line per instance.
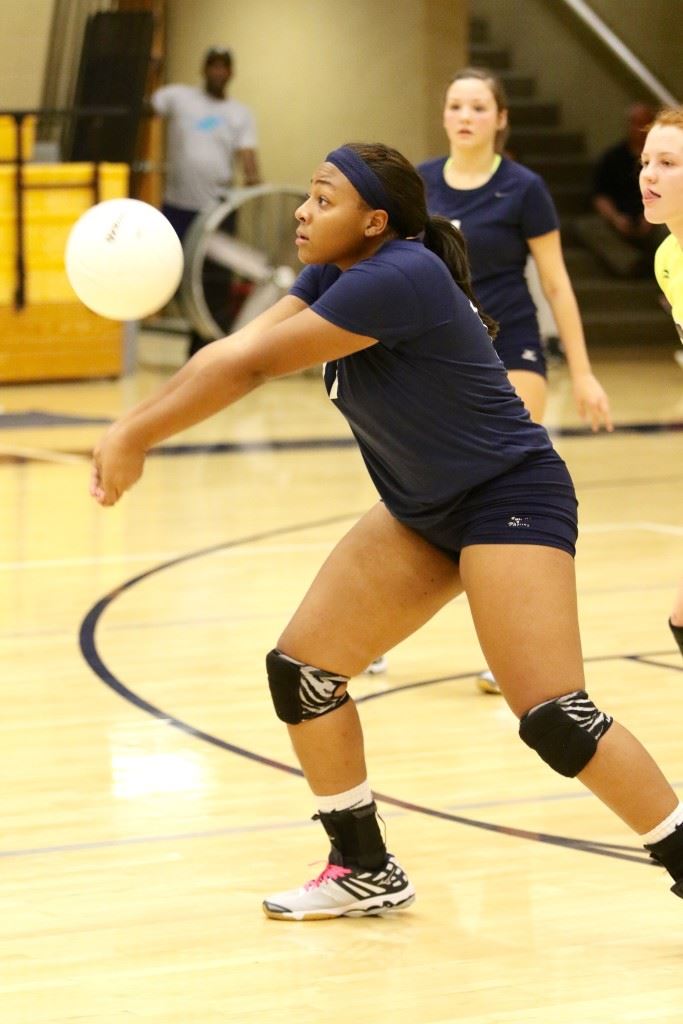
[614, 311]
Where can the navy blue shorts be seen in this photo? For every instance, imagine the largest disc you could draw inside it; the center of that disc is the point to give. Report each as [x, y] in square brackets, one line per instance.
[521, 348]
[533, 503]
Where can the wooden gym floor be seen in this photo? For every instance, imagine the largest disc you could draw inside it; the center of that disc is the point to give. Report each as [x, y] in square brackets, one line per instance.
[150, 797]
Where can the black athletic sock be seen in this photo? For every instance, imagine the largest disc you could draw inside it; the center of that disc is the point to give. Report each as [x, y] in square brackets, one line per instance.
[355, 837]
[678, 635]
[669, 853]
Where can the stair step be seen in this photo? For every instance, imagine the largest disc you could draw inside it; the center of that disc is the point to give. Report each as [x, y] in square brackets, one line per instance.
[628, 328]
[570, 237]
[570, 201]
[529, 143]
[563, 169]
[494, 57]
[518, 86]
[478, 32]
[581, 263]
[533, 112]
[609, 294]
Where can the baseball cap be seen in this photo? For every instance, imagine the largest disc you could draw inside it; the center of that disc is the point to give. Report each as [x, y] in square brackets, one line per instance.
[218, 53]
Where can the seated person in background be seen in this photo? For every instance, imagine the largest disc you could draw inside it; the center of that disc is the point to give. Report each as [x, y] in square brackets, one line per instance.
[618, 233]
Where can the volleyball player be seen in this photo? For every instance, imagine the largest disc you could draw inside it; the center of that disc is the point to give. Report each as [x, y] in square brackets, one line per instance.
[661, 185]
[505, 212]
[473, 499]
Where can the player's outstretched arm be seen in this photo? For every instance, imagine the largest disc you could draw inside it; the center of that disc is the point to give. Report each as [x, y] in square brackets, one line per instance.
[130, 460]
[222, 373]
[281, 310]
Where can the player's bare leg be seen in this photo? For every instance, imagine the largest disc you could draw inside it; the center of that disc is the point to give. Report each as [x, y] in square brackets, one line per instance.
[537, 659]
[532, 388]
[378, 586]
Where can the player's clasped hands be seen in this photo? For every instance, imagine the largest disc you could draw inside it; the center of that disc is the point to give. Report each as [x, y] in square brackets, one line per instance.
[592, 402]
[116, 466]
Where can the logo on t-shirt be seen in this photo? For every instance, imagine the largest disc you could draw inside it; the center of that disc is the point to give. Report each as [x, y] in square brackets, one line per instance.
[209, 124]
[530, 355]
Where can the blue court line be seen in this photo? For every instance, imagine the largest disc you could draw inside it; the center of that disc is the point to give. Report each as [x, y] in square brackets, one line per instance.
[109, 844]
[666, 426]
[317, 443]
[237, 830]
[172, 837]
[92, 657]
[44, 418]
[40, 418]
[11, 420]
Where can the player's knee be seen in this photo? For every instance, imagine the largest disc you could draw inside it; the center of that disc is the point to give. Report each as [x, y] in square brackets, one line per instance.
[565, 731]
[301, 692]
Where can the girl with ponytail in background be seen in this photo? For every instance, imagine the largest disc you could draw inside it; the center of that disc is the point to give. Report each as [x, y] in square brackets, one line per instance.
[509, 220]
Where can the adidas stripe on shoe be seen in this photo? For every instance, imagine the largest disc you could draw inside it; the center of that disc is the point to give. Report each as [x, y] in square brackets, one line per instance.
[344, 892]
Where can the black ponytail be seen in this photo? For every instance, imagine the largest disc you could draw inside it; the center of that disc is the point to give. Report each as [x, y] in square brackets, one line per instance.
[448, 243]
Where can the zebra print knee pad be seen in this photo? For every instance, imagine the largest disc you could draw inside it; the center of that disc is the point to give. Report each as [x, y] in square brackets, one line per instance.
[564, 732]
[301, 692]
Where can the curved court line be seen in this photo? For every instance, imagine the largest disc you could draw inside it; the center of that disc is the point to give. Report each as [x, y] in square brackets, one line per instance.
[649, 659]
[91, 655]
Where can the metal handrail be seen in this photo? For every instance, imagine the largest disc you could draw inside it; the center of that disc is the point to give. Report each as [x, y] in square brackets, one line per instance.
[612, 41]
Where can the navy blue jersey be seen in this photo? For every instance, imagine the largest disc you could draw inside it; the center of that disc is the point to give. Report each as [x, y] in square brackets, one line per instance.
[496, 220]
[431, 405]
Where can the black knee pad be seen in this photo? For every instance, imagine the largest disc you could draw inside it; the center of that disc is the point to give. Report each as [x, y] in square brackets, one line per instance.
[301, 692]
[564, 732]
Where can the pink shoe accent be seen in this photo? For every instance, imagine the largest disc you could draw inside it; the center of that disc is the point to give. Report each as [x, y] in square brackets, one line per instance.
[330, 873]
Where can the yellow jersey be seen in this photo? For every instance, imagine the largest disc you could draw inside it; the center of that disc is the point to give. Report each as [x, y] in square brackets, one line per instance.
[669, 274]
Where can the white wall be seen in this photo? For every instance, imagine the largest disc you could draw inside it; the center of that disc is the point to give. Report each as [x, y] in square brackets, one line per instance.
[321, 72]
[24, 29]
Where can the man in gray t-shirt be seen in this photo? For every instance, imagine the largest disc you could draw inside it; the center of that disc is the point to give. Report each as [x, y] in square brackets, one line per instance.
[207, 134]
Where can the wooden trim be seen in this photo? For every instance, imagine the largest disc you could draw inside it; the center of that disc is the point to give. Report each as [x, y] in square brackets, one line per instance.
[58, 341]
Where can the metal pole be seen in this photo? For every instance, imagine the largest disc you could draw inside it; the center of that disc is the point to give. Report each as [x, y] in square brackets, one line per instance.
[20, 263]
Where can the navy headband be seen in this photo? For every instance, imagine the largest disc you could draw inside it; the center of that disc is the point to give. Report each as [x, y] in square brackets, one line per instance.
[364, 180]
